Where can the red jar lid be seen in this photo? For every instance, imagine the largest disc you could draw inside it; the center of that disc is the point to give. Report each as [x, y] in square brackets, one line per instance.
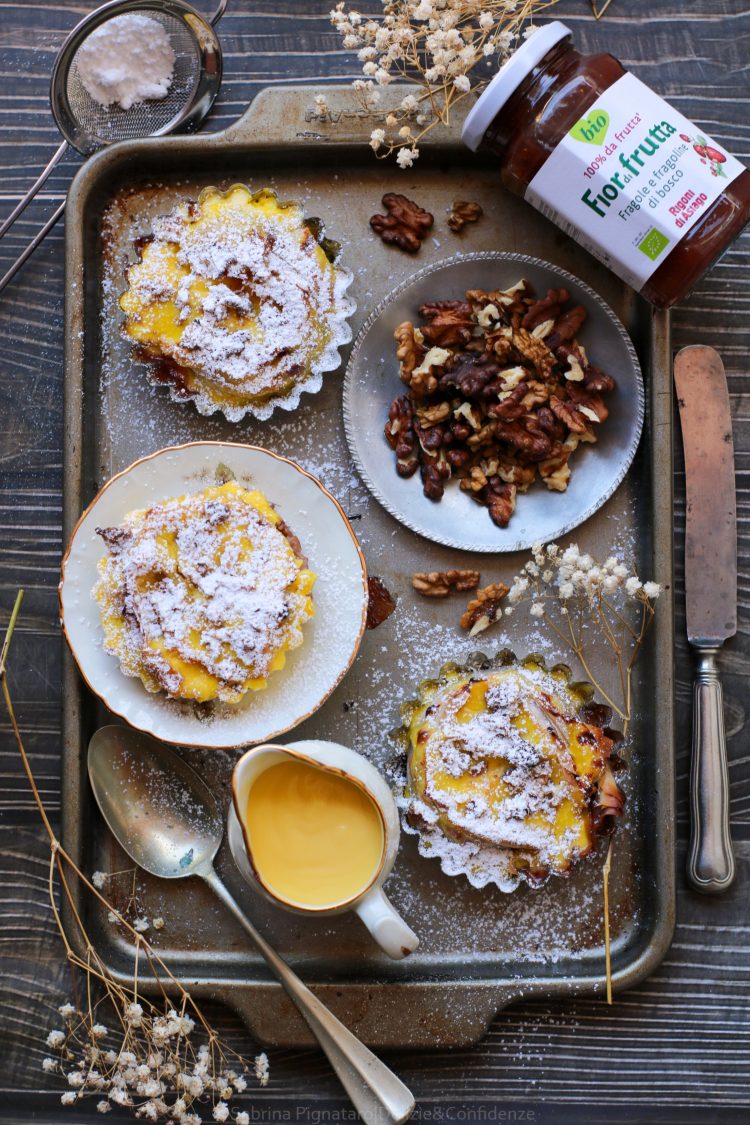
[507, 80]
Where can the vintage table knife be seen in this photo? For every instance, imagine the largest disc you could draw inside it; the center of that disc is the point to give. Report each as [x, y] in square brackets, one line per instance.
[711, 601]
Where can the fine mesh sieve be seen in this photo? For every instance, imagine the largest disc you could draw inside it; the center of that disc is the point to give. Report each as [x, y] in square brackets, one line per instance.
[88, 126]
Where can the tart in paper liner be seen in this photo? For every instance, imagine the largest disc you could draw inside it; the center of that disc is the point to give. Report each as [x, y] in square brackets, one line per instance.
[236, 303]
[527, 813]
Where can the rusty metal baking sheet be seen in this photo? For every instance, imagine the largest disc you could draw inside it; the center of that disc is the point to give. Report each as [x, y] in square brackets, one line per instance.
[479, 950]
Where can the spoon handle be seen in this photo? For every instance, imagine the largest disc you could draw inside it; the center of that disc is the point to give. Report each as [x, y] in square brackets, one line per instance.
[377, 1093]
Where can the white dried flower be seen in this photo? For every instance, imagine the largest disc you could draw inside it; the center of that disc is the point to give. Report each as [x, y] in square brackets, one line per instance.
[391, 120]
[633, 586]
[537, 609]
[66, 1010]
[566, 590]
[99, 878]
[377, 138]
[406, 157]
[111, 916]
[486, 20]
[75, 1079]
[370, 69]
[103, 1106]
[120, 1097]
[240, 1083]
[367, 54]
[409, 103]
[55, 1039]
[610, 584]
[179, 1108]
[140, 925]
[529, 31]
[461, 82]
[98, 1031]
[242, 1118]
[68, 1098]
[261, 1068]
[220, 1111]
[651, 590]
[547, 576]
[49, 1064]
[351, 42]
[488, 49]
[423, 11]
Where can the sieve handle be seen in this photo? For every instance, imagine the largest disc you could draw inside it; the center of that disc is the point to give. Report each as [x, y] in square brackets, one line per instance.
[221, 7]
[26, 254]
[41, 179]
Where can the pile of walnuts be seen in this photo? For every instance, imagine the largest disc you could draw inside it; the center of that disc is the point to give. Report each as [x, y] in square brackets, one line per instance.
[500, 392]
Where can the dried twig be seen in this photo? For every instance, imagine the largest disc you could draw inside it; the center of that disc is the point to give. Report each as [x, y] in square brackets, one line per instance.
[570, 591]
[146, 1059]
[599, 12]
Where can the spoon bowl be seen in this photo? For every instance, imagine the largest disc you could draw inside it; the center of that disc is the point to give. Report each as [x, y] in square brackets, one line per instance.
[156, 806]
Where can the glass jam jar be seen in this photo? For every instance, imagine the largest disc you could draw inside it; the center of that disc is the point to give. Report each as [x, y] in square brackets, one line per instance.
[614, 165]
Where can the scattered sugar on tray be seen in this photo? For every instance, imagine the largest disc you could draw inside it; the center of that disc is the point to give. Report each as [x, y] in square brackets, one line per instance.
[126, 60]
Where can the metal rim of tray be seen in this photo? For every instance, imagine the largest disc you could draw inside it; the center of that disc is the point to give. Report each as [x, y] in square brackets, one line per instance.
[461, 1008]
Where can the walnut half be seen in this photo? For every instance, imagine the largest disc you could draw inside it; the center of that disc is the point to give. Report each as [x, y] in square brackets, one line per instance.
[406, 224]
[485, 608]
[439, 583]
[463, 212]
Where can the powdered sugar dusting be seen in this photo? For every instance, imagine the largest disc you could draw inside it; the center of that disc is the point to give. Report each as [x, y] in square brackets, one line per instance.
[228, 581]
[263, 312]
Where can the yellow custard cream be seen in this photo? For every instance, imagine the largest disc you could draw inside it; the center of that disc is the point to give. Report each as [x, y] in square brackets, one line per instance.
[316, 838]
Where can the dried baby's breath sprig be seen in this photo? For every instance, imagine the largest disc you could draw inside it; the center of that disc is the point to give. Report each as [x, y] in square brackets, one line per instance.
[112, 1042]
[449, 48]
[571, 592]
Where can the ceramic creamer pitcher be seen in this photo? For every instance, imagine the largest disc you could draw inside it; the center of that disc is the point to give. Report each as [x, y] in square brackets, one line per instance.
[386, 926]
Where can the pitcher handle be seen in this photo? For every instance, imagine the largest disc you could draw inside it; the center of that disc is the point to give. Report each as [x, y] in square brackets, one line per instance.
[386, 925]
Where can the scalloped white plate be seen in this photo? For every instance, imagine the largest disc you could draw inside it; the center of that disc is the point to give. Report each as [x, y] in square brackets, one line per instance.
[372, 382]
[331, 638]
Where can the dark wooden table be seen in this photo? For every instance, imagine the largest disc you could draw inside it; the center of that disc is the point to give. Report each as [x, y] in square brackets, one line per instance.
[676, 1049]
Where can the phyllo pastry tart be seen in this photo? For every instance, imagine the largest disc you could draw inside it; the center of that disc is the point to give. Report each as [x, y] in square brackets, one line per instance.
[509, 771]
[237, 303]
[202, 596]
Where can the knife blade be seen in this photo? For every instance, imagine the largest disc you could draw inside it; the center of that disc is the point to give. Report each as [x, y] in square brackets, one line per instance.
[710, 601]
[711, 524]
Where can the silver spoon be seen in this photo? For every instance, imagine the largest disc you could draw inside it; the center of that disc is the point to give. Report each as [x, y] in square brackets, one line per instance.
[167, 820]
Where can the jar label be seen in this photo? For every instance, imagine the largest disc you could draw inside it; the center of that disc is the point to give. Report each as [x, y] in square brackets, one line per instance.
[630, 179]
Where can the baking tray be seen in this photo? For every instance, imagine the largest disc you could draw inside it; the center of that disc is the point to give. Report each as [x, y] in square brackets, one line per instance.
[480, 950]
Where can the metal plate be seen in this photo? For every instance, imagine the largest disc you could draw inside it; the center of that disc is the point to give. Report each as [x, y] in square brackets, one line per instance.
[372, 382]
[479, 950]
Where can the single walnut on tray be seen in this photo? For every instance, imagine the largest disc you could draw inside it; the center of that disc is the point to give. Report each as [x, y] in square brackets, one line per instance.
[462, 213]
[406, 224]
[439, 583]
[485, 608]
[500, 394]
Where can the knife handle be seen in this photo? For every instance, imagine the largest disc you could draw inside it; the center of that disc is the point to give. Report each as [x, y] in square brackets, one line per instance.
[710, 864]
